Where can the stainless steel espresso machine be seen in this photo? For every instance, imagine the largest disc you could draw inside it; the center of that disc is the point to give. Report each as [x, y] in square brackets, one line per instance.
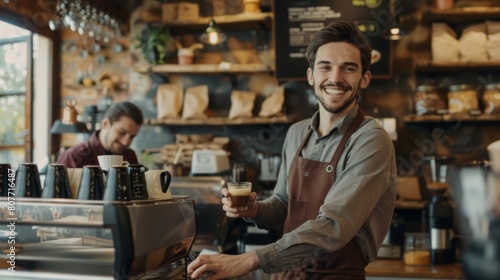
[214, 231]
[476, 189]
[95, 239]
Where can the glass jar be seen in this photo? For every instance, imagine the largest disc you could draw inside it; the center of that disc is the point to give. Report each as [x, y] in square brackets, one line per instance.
[462, 99]
[491, 99]
[427, 100]
[416, 248]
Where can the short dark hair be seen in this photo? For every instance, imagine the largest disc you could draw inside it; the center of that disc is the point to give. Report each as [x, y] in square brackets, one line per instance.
[341, 31]
[124, 109]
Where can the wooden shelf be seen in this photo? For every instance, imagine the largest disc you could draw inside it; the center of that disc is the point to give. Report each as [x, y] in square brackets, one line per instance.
[387, 269]
[431, 66]
[221, 121]
[11, 146]
[243, 21]
[167, 69]
[450, 118]
[402, 204]
[462, 15]
[80, 87]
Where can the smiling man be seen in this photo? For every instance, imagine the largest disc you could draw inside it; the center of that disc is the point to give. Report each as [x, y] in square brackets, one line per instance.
[119, 126]
[336, 190]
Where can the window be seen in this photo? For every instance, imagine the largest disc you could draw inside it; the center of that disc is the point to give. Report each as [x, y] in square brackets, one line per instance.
[25, 73]
[15, 62]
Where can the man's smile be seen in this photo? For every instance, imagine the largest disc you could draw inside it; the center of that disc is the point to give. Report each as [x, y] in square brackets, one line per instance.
[332, 91]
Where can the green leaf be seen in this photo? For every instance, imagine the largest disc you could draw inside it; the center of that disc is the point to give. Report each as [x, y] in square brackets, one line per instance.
[154, 38]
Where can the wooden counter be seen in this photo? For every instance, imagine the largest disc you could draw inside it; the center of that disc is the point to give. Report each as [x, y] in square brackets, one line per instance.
[396, 268]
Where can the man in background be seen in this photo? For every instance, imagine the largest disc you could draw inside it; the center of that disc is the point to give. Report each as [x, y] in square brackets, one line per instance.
[119, 126]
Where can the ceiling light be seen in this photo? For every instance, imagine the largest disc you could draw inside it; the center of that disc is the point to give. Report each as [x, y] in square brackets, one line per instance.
[394, 30]
[213, 35]
[394, 33]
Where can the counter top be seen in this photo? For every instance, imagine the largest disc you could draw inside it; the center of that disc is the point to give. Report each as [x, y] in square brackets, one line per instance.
[397, 268]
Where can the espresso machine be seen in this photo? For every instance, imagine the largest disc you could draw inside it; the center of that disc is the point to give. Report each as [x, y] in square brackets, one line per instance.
[476, 188]
[439, 210]
[214, 230]
[125, 234]
[96, 239]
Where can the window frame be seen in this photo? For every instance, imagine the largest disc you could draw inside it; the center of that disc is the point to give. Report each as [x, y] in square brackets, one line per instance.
[28, 94]
[22, 17]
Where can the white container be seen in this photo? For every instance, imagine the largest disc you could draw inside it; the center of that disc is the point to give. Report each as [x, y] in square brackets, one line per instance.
[269, 166]
[209, 161]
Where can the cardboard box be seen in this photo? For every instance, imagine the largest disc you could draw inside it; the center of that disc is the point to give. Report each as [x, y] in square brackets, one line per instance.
[227, 7]
[186, 11]
[169, 12]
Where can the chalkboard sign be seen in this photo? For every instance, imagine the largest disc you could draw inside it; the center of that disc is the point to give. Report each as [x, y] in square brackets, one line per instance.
[296, 21]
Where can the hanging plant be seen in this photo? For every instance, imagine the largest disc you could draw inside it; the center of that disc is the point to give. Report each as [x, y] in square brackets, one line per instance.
[153, 41]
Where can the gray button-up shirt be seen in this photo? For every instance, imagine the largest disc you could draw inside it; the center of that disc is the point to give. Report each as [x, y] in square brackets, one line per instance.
[359, 204]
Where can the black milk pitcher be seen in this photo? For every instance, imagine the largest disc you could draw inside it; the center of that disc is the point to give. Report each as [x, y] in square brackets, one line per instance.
[6, 173]
[92, 183]
[28, 182]
[56, 184]
[138, 181]
[117, 184]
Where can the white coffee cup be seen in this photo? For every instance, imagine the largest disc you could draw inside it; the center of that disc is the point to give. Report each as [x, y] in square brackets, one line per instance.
[105, 161]
[157, 181]
[494, 153]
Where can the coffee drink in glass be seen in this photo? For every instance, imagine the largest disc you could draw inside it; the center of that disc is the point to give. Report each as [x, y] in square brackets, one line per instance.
[239, 193]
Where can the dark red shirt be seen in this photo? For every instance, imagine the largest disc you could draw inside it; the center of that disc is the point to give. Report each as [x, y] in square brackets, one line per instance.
[86, 153]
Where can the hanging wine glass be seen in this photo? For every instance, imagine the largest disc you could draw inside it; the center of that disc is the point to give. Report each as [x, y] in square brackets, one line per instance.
[85, 18]
[99, 28]
[68, 15]
[56, 21]
[83, 27]
[92, 24]
[75, 15]
[105, 29]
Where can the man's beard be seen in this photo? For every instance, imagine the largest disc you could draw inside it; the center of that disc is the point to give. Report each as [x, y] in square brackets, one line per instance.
[352, 99]
[342, 107]
[107, 143]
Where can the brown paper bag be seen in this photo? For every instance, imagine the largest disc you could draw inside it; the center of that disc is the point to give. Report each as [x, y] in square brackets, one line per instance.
[195, 102]
[169, 100]
[242, 103]
[273, 103]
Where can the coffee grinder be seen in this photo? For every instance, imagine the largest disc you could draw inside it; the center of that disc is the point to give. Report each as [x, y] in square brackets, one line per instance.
[439, 210]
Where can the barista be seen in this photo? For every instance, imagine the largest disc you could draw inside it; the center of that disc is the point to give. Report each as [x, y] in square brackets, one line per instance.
[119, 126]
[336, 192]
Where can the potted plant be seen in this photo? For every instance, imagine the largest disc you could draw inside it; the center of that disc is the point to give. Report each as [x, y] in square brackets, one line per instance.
[154, 42]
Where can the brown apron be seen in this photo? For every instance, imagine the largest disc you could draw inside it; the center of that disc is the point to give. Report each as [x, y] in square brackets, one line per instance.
[304, 203]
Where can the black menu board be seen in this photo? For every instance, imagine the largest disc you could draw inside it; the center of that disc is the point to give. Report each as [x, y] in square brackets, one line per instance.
[296, 21]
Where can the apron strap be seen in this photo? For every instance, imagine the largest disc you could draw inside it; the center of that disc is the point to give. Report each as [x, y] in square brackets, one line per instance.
[299, 150]
[340, 149]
